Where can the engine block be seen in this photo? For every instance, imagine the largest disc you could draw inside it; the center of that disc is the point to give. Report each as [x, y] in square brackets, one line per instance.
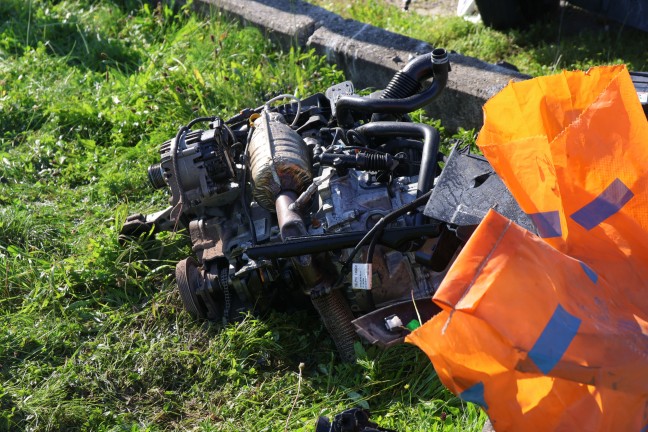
[316, 202]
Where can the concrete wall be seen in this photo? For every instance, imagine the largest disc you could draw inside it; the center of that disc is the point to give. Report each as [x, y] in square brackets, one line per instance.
[368, 55]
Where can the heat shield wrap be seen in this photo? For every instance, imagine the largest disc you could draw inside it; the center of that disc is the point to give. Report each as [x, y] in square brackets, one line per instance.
[279, 160]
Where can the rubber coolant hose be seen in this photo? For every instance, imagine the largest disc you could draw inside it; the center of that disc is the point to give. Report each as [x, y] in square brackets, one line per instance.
[436, 64]
[431, 140]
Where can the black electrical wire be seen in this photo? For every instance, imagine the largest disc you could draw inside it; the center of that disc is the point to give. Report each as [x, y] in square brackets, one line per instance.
[379, 228]
[230, 132]
[383, 223]
[200, 119]
[372, 246]
[182, 132]
[338, 132]
[353, 136]
[177, 208]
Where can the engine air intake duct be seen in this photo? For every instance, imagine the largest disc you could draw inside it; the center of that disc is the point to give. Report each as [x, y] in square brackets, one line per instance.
[402, 93]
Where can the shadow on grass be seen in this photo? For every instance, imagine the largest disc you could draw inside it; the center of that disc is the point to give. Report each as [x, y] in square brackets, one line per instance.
[575, 38]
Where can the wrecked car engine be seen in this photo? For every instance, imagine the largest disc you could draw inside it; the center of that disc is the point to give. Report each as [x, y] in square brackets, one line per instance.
[317, 200]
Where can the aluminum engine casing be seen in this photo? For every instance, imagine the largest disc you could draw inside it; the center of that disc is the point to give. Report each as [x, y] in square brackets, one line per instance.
[355, 202]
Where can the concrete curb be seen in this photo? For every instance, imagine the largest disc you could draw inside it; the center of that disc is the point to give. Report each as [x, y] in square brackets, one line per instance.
[368, 55]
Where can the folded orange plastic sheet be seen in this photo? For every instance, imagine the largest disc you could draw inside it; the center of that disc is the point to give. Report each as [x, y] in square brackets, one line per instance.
[550, 332]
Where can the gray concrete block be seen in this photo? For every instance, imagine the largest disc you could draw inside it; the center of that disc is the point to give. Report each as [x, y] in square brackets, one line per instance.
[369, 56]
[285, 22]
[470, 84]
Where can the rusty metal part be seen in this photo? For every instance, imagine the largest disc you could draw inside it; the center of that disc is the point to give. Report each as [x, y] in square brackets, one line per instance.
[189, 280]
[290, 222]
[279, 159]
[205, 239]
[201, 291]
[396, 274]
[336, 315]
[316, 270]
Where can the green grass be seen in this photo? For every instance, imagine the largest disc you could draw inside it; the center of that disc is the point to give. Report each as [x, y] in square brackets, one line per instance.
[92, 335]
[544, 48]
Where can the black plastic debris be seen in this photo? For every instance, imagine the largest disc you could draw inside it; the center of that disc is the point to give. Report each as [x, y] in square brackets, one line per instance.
[351, 420]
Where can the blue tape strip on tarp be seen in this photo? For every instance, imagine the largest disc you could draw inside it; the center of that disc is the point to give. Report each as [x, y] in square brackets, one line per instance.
[603, 206]
[475, 394]
[547, 223]
[554, 340]
[591, 274]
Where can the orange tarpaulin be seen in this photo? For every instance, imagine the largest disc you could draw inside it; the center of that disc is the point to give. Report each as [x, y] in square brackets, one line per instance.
[550, 332]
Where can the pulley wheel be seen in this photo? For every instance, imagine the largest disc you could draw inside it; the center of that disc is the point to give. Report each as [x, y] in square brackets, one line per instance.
[189, 280]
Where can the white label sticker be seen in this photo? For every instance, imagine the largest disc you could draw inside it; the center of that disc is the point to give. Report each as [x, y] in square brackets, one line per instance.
[361, 276]
[643, 97]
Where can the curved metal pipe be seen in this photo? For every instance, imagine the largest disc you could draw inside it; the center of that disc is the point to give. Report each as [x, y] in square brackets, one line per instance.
[399, 97]
[431, 141]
